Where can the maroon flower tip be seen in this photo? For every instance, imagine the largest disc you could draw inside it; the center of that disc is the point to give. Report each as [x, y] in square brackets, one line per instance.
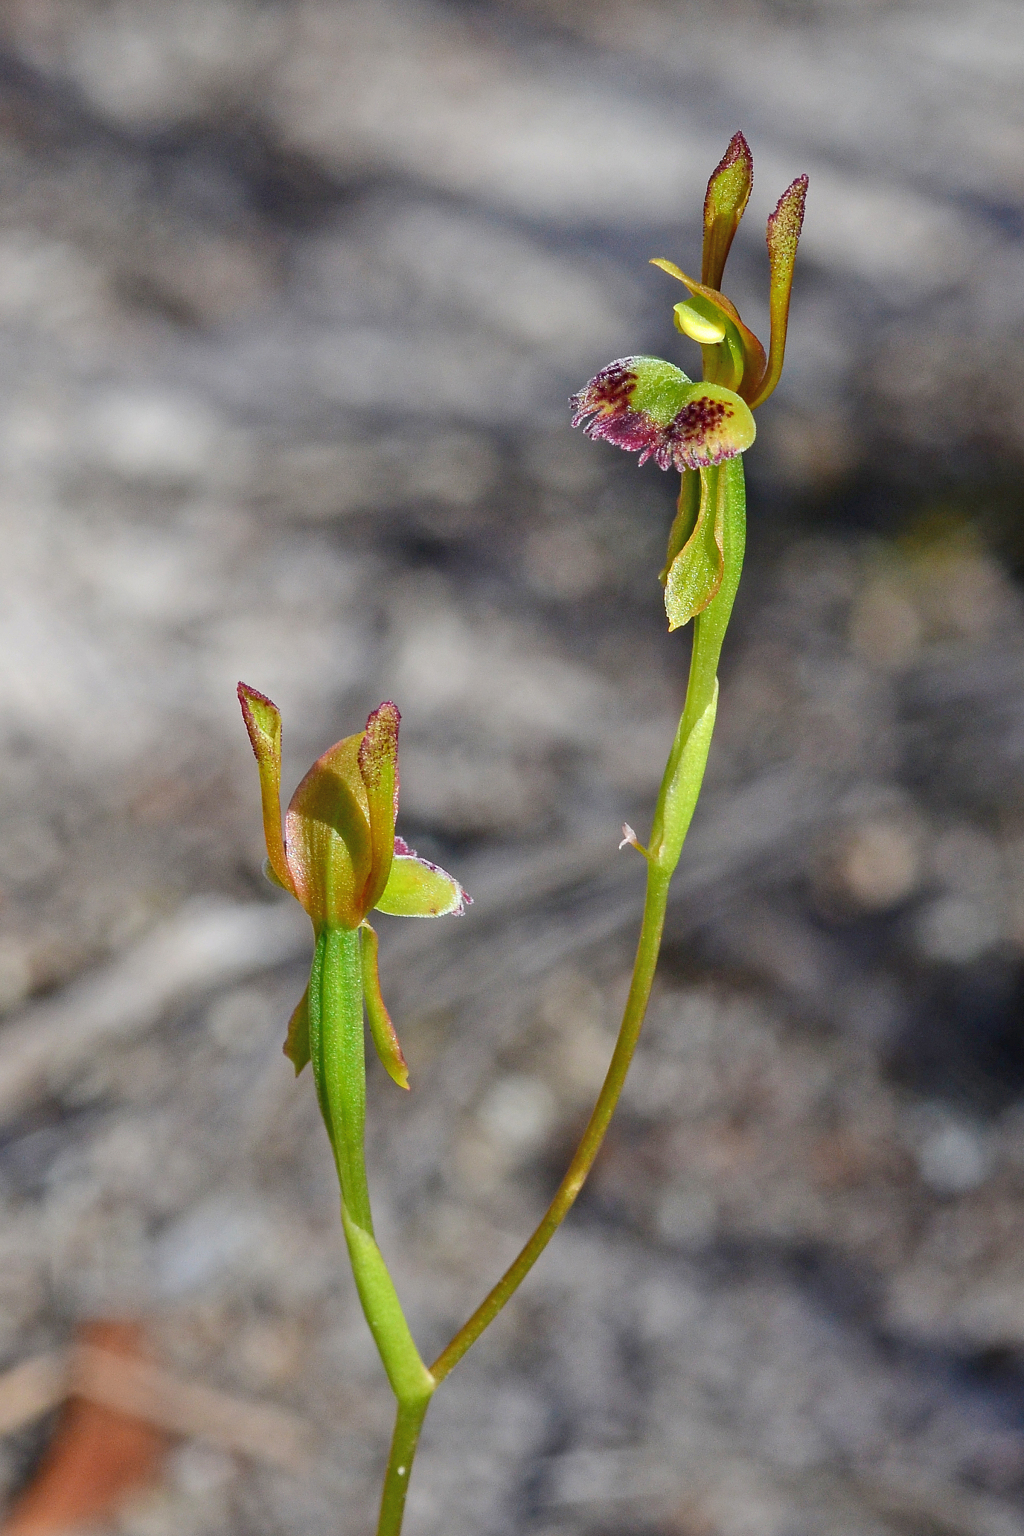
[606, 400]
[607, 394]
[738, 149]
[247, 697]
[387, 711]
[262, 720]
[378, 749]
[785, 224]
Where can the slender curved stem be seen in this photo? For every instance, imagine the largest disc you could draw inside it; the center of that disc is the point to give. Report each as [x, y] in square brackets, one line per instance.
[684, 774]
[572, 1183]
[337, 1044]
[338, 1053]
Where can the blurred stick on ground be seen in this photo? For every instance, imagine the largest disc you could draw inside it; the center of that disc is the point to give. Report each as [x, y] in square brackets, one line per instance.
[121, 1412]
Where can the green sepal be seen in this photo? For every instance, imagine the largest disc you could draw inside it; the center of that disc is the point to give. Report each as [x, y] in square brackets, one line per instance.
[296, 1045]
[263, 724]
[417, 888]
[727, 194]
[382, 1031]
[695, 573]
[685, 520]
[784, 228]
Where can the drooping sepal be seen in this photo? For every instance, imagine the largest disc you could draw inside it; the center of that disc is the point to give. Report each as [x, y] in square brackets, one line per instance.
[695, 574]
[263, 723]
[685, 520]
[382, 1031]
[784, 228]
[296, 1044]
[727, 194]
[648, 406]
[417, 888]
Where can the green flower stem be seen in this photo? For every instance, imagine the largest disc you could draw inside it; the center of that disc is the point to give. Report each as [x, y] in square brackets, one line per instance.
[684, 771]
[680, 787]
[572, 1183]
[408, 1423]
[338, 1054]
[410, 1380]
[338, 1050]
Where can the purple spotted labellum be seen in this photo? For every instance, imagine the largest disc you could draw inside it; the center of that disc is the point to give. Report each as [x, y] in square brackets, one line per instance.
[649, 407]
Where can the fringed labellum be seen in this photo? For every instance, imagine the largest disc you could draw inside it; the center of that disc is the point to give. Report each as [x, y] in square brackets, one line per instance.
[650, 407]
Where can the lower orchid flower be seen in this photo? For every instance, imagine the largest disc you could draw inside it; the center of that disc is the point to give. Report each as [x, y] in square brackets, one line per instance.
[337, 853]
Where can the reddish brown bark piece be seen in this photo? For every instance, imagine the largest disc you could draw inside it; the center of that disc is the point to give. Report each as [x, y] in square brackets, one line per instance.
[97, 1457]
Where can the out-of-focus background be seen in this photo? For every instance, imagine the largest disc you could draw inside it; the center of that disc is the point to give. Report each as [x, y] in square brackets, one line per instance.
[292, 295]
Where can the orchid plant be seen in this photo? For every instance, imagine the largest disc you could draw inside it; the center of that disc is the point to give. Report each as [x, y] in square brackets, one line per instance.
[336, 850]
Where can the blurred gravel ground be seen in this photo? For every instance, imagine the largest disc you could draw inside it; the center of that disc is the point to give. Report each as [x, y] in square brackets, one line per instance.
[291, 297]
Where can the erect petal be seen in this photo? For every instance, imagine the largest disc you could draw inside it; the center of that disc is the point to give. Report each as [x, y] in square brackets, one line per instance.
[650, 407]
[417, 888]
[738, 361]
[382, 1031]
[296, 1045]
[727, 194]
[263, 723]
[378, 765]
[784, 228]
[327, 838]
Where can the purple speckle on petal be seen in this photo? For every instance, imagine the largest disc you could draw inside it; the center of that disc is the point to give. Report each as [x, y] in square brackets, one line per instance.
[695, 438]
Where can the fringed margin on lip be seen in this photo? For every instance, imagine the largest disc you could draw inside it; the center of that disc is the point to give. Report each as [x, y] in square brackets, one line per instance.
[695, 437]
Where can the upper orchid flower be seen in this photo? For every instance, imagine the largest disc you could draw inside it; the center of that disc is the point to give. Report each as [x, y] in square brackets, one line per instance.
[649, 406]
[337, 852]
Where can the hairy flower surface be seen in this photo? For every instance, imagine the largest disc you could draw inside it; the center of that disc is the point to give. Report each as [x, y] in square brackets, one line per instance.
[732, 353]
[649, 406]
